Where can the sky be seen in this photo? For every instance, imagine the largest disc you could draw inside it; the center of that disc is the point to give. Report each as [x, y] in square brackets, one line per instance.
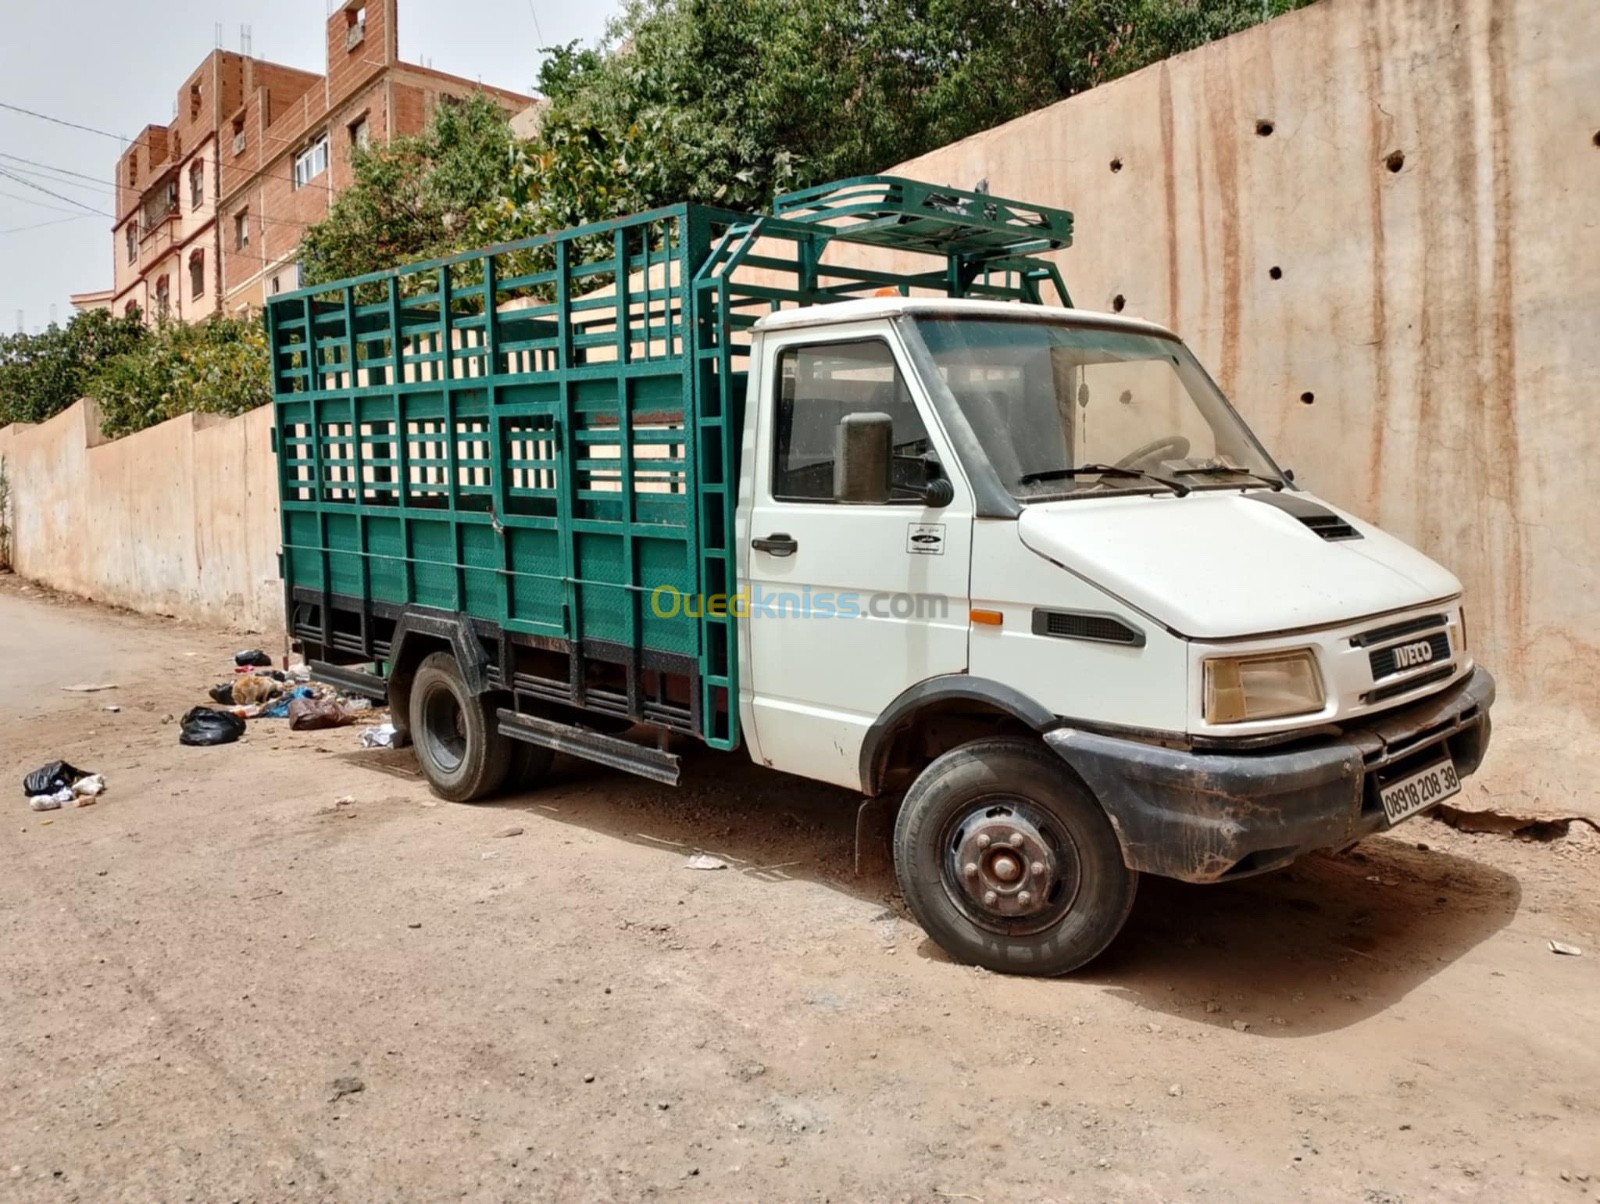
[117, 65]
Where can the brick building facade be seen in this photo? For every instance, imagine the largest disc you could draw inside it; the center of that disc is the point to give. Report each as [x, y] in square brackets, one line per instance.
[210, 208]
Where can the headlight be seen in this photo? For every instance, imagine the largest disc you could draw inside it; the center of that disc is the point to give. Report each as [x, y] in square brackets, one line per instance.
[1271, 686]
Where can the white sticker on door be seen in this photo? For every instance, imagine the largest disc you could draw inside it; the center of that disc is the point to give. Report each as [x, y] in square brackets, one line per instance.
[925, 539]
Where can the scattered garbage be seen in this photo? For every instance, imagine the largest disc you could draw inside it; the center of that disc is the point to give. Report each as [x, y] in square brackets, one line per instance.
[114, 710]
[49, 802]
[704, 861]
[300, 672]
[381, 736]
[222, 692]
[279, 707]
[90, 787]
[90, 687]
[204, 726]
[1563, 948]
[252, 658]
[310, 714]
[52, 778]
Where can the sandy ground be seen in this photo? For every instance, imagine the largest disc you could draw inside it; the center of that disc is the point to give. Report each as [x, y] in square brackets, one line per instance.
[190, 968]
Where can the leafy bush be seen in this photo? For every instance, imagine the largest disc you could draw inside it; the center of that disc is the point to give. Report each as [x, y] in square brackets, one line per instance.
[219, 366]
[43, 374]
[5, 517]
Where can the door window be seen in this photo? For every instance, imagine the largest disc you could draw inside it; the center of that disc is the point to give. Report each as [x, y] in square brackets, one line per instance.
[817, 387]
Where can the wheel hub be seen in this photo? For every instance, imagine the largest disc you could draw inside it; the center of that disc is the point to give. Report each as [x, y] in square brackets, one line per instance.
[1007, 867]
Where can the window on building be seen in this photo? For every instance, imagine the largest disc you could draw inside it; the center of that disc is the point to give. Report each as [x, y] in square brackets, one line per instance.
[131, 309]
[360, 133]
[194, 100]
[163, 296]
[311, 162]
[197, 274]
[197, 186]
[355, 25]
[238, 135]
[241, 230]
[133, 168]
[277, 285]
[133, 241]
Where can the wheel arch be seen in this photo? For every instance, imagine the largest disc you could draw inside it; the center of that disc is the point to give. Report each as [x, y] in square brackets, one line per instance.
[416, 636]
[943, 711]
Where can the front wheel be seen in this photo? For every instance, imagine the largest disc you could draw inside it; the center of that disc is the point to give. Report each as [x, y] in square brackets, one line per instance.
[1008, 863]
[458, 743]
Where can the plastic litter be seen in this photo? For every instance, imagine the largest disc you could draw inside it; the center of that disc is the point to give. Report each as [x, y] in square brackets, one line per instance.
[1564, 949]
[279, 707]
[222, 692]
[300, 672]
[381, 736]
[253, 657]
[46, 802]
[204, 726]
[312, 714]
[705, 861]
[52, 778]
[89, 787]
[90, 687]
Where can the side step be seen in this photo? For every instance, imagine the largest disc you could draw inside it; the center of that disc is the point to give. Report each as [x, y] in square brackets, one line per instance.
[605, 750]
[351, 681]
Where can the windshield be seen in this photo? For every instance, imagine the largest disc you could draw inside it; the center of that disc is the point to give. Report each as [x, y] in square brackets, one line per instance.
[1067, 411]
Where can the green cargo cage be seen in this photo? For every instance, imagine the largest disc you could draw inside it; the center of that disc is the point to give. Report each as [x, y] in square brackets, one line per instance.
[530, 440]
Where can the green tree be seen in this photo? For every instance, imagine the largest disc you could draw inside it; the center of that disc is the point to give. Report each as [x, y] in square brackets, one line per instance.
[413, 198]
[42, 374]
[219, 366]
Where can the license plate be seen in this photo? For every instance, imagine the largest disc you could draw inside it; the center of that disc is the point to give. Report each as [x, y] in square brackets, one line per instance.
[1419, 791]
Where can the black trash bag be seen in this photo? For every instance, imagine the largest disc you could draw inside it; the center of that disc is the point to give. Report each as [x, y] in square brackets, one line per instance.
[52, 778]
[253, 658]
[222, 692]
[205, 726]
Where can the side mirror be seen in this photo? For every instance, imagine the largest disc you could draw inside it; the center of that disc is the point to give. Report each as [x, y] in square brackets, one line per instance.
[862, 450]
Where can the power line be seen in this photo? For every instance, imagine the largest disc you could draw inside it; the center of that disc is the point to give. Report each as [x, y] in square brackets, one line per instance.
[77, 217]
[58, 196]
[88, 129]
[97, 181]
[28, 200]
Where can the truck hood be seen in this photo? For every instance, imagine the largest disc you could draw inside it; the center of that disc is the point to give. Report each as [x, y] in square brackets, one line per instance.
[1225, 564]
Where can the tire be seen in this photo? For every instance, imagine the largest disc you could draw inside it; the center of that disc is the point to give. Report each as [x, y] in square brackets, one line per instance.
[458, 743]
[1048, 909]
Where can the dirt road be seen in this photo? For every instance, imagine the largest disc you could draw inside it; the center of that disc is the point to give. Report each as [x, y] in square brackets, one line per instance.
[221, 984]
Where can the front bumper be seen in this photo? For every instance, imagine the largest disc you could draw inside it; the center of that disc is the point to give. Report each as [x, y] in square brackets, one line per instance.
[1208, 816]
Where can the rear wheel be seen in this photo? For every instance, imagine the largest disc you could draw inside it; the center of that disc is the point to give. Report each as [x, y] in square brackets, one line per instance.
[1008, 863]
[458, 744]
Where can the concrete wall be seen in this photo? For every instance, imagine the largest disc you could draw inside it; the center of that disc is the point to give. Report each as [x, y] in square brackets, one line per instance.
[1441, 320]
[180, 519]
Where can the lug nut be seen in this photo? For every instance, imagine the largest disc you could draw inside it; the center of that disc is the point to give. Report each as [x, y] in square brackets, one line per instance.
[1016, 840]
[970, 869]
[983, 842]
[1024, 898]
[989, 897]
[1038, 869]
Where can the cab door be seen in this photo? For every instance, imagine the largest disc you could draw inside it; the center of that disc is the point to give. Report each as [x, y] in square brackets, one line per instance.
[846, 605]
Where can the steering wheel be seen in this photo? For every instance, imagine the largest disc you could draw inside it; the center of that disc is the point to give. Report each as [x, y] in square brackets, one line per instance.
[1172, 447]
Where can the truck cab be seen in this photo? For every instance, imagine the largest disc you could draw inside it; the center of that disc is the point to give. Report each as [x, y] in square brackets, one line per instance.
[974, 533]
[1018, 570]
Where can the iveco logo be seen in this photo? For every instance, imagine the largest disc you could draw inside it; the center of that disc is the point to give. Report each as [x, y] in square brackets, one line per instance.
[1408, 655]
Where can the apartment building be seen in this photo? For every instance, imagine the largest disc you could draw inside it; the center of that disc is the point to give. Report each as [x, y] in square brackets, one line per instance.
[210, 207]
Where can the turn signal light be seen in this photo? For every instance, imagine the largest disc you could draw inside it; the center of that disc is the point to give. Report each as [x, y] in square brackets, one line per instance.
[986, 618]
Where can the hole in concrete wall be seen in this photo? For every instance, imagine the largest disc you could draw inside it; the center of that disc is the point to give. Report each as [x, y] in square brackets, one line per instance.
[1264, 129]
[1275, 272]
[1118, 303]
[1308, 397]
[1395, 160]
[1116, 164]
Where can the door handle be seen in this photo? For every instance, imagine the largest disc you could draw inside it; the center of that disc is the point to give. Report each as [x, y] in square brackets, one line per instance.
[779, 543]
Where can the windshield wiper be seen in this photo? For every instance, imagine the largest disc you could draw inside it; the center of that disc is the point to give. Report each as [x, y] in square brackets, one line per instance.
[1102, 470]
[1217, 470]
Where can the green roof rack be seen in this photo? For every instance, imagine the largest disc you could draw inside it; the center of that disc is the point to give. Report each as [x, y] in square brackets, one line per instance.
[908, 215]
